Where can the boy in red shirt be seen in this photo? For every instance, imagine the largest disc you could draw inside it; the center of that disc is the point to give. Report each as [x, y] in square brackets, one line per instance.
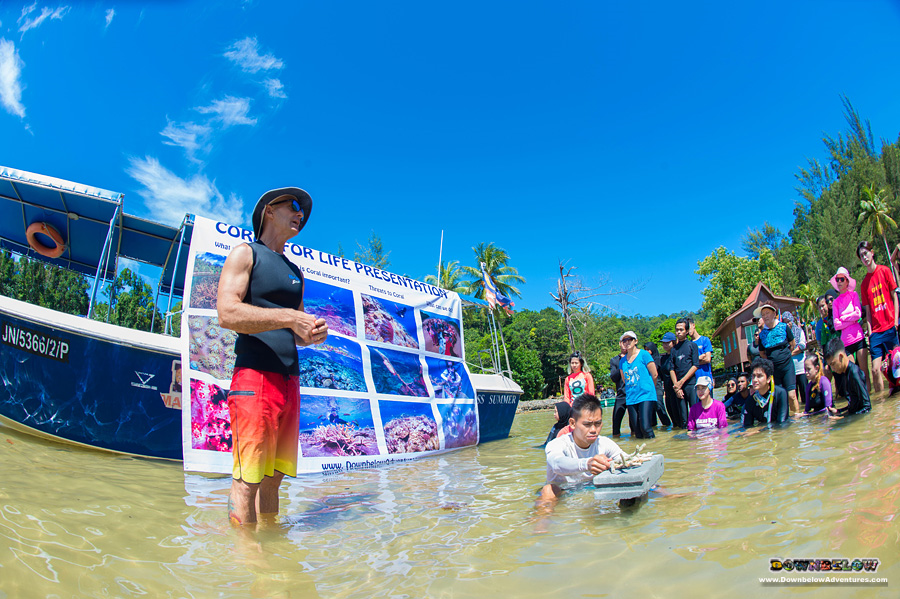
[877, 295]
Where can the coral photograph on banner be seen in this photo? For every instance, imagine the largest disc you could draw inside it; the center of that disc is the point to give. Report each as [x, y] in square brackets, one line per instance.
[459, 423]
[335, 364]
[211, 347]
[449, 379]
[210, 422]
[334, 304]
[397, 373]
[409, 427]
[205, 280]
[336, 426]
[389, 322]
[441, 334]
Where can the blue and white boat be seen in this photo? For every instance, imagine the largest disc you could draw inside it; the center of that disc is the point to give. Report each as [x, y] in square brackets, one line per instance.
[99, 385]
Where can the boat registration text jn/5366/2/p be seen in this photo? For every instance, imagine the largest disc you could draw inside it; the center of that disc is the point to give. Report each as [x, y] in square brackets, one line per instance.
[35, 342]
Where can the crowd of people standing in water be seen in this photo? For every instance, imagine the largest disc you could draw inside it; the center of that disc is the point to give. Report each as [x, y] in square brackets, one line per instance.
[675, 388]
[856, 349]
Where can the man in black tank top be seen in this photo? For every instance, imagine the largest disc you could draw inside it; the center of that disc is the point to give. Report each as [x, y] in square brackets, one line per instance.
[261, 298]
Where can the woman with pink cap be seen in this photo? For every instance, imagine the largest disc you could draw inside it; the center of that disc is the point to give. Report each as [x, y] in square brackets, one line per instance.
[847, 313]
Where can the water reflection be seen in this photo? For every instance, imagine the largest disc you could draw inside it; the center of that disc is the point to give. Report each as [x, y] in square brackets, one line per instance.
[81, 523]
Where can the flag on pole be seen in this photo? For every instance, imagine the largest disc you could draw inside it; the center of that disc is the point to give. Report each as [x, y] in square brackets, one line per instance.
[493, 295]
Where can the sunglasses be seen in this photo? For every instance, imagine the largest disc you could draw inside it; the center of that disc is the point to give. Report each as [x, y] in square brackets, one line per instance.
[840, 279]
[295, 205]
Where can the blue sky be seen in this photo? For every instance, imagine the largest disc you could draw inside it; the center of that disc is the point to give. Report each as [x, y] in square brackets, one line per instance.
[629, 138]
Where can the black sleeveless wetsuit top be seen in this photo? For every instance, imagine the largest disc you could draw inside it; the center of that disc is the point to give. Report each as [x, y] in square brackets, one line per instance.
[275, 282]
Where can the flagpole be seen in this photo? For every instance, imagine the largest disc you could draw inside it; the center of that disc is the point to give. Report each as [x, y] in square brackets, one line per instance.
[440, 257]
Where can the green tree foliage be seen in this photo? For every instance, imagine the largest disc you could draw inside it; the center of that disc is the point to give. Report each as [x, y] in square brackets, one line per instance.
[526, 368]
[451, 278]
[730, 279]
[43, 284]
[874, 215]
[496, 262]
[808, 293]
[666, 326]
[827, 220]
[768, 237]
[372, 253]
[132, 304]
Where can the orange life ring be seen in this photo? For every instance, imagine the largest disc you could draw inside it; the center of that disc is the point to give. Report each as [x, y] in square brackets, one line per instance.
[51, 232]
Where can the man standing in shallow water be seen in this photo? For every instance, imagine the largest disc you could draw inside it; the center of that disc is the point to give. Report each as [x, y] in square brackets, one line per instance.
[261, 298]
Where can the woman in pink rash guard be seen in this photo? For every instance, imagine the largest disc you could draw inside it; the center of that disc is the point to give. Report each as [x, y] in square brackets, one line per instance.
[847, 313]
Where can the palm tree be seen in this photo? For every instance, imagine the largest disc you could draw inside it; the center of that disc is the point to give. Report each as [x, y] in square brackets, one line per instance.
[808, 294]
[451, 278]
[874, 211]
[495, 263]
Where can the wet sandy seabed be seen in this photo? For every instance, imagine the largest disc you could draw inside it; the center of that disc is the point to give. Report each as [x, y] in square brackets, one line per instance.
[76, 523]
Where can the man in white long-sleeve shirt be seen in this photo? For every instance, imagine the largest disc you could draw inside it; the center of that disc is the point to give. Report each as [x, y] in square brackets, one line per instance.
[580, 455]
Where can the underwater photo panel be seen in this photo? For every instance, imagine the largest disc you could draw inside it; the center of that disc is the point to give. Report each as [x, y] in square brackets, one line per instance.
[210, 422]
[205, 280]
[211, 347]
[441, 334]
[397, 373]
[334, 304]
[389, 322]
[459, 423]
[409, 427]
[336, 427]
[334, 364]
[449, 379]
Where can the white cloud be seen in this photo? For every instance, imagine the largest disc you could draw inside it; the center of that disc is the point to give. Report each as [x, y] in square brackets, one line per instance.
[192, 137]
[245, 54]
[109, 17]
[27, 22]
[230, 111]
[10, 79]
[170, 197]
[275, 88]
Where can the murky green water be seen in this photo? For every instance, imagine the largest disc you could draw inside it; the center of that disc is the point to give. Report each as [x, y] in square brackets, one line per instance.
[75, 523]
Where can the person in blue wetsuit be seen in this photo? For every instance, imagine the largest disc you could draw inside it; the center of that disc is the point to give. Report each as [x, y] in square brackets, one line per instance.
[769, 404]
[639, 377]
[777, 343]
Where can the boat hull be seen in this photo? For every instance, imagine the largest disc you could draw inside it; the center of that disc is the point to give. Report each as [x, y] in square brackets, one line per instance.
[498, 398]
[75, 384]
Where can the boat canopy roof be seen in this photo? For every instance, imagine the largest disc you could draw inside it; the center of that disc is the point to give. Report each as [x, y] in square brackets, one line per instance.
[85, 216]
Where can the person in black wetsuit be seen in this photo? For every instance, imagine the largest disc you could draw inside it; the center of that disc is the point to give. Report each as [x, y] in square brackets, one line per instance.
[660, 390]
[619, 410]
[685, 362]
[769, 404]
[850, 379]
[260, 297]
[665, 373]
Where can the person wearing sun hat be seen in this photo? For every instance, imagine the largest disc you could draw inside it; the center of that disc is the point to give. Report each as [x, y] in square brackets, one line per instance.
[639, 378]
[776, 340]
[261, 298]
[847, 312]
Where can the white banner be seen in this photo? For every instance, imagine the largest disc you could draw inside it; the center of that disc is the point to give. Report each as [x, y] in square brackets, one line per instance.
[389, 384]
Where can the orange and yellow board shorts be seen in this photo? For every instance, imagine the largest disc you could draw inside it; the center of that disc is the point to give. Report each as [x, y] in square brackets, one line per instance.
[265, 412]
